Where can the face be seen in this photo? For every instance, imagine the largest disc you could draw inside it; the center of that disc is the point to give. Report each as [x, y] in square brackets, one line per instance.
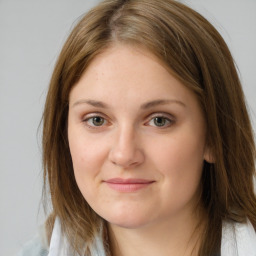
[137, 139]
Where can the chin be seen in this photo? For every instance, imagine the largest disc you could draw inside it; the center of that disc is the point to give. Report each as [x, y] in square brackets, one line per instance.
[125, 214]
[131, 221]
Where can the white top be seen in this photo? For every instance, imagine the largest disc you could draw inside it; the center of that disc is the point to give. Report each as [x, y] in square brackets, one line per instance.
[237, 240]
[59, 244]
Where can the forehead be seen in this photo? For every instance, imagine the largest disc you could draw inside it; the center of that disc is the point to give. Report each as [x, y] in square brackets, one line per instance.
[124, 57]
[126, 73]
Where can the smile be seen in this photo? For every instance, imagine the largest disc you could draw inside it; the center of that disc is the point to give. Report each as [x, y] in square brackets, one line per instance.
[128, 185]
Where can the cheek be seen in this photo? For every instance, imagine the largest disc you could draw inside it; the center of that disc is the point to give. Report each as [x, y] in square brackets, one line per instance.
[86, 152]
[87, 159]
[89, 155]
[180, 162]
[178, 151]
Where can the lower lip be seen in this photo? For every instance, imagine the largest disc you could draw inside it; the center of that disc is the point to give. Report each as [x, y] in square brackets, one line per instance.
[128, 187]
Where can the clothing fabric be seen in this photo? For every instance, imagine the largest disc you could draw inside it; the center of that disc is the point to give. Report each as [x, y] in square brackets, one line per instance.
[37, 246]
[59, 244]
[237, 240]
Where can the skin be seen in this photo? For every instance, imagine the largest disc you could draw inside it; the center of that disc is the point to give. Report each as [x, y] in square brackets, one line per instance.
[163, 142]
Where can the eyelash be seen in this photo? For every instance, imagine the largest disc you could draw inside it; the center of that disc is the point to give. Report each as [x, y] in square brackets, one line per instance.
[91, 119]
[169, 120]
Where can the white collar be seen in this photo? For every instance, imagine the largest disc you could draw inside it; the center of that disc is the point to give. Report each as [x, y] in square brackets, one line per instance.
[59, 245]
[237, 240]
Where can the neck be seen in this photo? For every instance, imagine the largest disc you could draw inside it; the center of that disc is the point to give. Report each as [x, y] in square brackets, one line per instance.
[176, 237]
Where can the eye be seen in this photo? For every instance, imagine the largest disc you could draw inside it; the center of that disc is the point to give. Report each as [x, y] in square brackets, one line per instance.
[160, 121]
[95, 121]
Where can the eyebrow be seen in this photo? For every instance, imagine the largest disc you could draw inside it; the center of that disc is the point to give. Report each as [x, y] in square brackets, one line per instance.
[94, 103]
[159, 102]
[147, 105]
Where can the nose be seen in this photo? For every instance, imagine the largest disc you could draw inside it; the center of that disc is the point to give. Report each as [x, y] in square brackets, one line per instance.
[126, 151]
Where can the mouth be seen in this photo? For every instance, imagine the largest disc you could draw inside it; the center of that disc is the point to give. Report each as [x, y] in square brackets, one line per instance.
[128, 185]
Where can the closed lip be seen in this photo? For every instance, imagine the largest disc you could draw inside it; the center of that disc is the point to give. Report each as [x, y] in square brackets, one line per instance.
[128, 185]
[128, 181]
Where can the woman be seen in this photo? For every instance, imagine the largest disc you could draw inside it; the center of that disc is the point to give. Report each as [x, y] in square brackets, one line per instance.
[147, 144]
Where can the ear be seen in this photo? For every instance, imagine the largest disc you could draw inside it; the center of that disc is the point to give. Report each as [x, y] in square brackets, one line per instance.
[208, 155]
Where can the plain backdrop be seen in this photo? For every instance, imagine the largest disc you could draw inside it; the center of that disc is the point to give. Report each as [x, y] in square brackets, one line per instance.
[32, 33]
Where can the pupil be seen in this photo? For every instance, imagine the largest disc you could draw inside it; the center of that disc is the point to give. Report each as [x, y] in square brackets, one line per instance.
[97, 121]
[159, 121]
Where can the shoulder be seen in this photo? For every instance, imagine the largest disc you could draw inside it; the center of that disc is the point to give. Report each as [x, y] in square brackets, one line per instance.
[59, 244]
[238, 239]
[36, 246]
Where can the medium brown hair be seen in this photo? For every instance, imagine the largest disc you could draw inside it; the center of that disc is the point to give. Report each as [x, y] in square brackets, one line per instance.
[197, 55]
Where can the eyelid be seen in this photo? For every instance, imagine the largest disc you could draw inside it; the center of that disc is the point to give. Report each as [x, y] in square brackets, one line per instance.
[161, 114]
[93, 114]
[89, 116]
[164, 115]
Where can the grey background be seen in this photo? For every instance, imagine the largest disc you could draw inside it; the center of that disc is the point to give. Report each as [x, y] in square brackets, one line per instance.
[31, 35]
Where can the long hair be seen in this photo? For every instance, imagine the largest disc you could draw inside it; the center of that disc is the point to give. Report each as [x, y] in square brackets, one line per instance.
[197, 55]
